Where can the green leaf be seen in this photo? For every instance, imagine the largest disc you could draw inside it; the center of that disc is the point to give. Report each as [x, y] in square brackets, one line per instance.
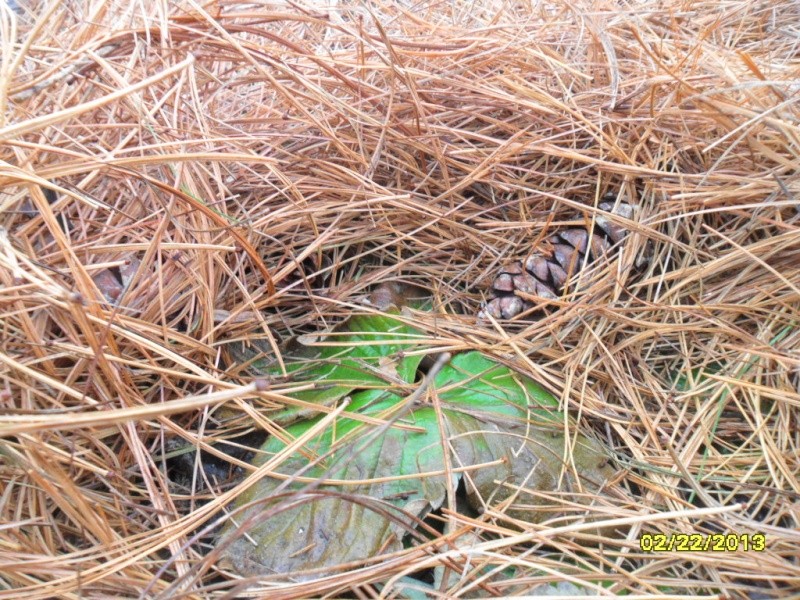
[473, 383]
[327, 531]
[367, 351]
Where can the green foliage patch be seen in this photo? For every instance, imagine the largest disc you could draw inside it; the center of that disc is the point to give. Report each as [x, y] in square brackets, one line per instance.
[380, 479]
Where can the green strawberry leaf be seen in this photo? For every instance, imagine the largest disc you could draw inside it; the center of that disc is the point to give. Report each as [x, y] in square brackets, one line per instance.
[329, 530]
[325, 531]
[474, 383]
[368, 351]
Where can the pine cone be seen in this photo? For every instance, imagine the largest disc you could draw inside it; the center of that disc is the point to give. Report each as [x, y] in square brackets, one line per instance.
[545, 275]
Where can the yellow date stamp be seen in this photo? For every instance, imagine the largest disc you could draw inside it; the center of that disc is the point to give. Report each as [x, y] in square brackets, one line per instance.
[698, 542]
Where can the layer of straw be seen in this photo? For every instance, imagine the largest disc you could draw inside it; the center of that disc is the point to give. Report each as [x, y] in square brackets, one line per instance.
[266, 164]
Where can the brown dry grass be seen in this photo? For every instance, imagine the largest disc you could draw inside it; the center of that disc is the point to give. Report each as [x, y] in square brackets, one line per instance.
[234, 149]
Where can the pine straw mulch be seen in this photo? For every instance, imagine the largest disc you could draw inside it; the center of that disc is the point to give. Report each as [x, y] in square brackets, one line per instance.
[177, 174]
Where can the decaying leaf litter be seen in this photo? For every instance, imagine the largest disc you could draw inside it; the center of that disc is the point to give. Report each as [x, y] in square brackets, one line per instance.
[265, 168]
